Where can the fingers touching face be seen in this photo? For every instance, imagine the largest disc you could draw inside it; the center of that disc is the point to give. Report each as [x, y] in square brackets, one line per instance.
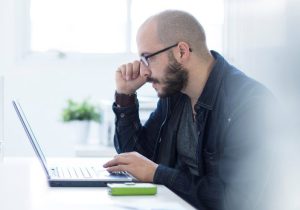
[130, 71]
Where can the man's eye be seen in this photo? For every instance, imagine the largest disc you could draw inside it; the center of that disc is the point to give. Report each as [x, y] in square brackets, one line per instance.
[150, 59]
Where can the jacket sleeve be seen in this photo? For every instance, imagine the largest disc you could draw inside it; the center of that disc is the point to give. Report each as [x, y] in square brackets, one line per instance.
[243, 167]
[201, 192]
[131, 135]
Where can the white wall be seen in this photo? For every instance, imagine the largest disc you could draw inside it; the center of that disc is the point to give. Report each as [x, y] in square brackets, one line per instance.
[43, 93]
[6, 32]
[1, 112]
[263, 41]
[43, 84]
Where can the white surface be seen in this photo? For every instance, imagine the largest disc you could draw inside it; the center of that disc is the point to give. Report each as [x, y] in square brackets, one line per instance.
[94, 151]
[1, 116]
[1, 106]
[14, 189]
[40, 196]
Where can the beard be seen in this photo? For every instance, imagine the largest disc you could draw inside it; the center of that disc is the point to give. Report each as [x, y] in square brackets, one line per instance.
[175, 79]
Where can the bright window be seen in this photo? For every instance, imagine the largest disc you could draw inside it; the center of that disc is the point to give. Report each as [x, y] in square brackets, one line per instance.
[87, 26]
[93, 26]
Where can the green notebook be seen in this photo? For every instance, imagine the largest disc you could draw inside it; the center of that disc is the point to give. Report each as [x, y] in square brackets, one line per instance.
[132, 188]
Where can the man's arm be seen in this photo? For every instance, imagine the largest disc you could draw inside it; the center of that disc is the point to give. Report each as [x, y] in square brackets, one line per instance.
[130, 135]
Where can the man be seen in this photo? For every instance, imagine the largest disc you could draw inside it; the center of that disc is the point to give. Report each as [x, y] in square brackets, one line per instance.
[205, 139]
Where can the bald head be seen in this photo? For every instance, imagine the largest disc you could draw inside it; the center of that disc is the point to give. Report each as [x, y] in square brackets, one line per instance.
[173, 26]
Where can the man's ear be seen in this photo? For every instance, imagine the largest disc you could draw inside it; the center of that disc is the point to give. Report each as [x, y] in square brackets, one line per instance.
[184, 51]
[181, 52]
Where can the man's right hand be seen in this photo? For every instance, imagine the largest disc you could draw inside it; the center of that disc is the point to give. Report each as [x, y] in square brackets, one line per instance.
[129, 78]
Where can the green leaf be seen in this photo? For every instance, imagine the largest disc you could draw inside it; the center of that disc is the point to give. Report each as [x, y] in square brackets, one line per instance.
[84, 110]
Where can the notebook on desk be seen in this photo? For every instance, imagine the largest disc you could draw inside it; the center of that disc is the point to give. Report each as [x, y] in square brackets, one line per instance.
[66, 175]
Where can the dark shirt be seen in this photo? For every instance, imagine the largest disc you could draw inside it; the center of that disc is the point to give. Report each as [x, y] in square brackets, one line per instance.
[232, 149]
[187, 139]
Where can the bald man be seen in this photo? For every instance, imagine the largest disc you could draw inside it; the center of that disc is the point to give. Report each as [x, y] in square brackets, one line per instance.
[205, 139]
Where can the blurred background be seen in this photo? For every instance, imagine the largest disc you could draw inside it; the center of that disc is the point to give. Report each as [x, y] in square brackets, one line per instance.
[55, 50]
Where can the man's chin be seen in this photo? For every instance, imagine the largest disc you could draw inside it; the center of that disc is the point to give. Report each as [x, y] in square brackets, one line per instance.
[161, 94]
[164, 94]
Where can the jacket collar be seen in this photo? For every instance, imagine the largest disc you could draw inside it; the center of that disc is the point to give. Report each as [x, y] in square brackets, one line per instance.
[208, 97]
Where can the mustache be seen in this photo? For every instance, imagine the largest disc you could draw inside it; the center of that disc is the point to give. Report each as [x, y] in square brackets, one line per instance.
[152, 80]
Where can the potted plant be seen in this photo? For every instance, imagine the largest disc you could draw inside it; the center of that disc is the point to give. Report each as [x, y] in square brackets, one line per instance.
[81, 115]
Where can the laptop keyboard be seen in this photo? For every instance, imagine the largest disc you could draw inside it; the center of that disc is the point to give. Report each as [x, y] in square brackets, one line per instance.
[75, 172]
[119, 173]
[83, 172]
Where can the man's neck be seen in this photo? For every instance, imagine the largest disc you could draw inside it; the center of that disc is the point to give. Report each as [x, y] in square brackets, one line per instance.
[198, 77]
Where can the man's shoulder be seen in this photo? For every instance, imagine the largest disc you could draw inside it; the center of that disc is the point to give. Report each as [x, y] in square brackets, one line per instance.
[237, 84]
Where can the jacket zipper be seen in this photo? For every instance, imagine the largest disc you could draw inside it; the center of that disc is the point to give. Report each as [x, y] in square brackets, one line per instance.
[159, 132]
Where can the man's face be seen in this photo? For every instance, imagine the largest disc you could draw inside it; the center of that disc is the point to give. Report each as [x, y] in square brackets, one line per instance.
[174, 79]
[164, 72]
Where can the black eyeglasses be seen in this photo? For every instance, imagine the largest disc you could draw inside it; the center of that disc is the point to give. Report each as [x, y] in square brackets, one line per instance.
[144, 58]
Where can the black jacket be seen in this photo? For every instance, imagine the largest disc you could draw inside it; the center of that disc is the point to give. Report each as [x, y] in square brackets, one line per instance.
[232, 152]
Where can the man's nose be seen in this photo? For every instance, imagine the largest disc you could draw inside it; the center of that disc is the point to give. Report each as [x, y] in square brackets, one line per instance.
[145, 71]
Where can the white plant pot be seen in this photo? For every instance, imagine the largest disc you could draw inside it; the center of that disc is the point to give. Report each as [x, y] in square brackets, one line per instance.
[80, 131]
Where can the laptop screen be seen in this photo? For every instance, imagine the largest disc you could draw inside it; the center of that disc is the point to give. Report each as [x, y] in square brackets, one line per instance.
[30, 135]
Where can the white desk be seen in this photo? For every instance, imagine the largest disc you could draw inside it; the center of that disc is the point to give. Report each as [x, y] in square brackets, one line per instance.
[94, 151]
[31, 191]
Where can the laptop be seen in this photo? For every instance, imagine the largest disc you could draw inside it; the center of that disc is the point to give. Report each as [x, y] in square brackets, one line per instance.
[74, 175]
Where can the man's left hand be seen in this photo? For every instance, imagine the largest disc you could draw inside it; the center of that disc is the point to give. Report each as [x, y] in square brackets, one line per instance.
[134, 163]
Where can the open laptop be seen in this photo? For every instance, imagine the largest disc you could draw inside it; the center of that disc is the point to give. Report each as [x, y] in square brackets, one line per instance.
[66, 175]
